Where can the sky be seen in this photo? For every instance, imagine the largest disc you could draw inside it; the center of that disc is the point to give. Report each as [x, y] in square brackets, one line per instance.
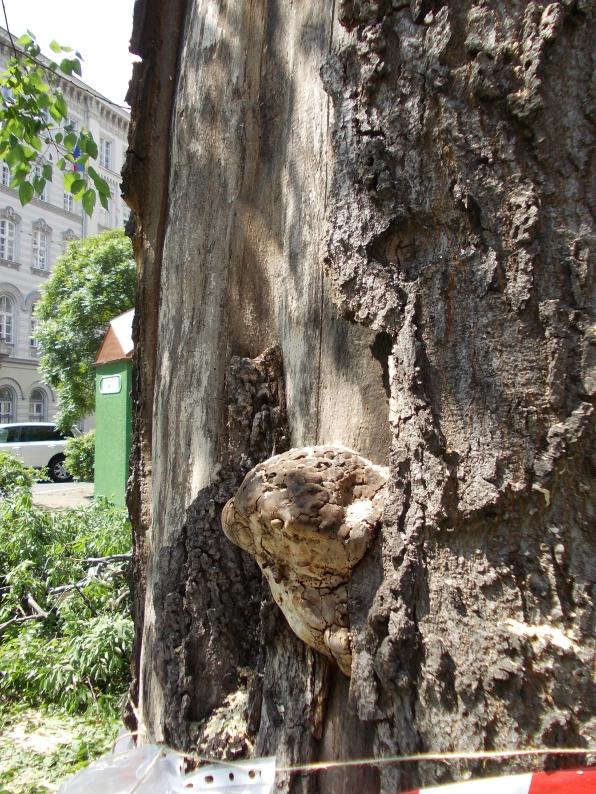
[99, 31]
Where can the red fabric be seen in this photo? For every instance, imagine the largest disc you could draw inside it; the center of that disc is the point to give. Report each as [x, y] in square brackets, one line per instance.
[574, 781]
[567, 781]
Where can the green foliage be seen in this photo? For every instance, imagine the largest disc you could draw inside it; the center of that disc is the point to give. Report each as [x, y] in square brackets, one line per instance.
[80, 456]
[34, 126]
[78, 653]
[15, 477]
[89, 658]
[91, 283]
[28, 770]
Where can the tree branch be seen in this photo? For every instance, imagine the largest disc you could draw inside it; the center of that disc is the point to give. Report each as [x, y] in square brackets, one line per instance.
[8, 30]
[10, 622]
[64, 588]
[35, 606]
[110, 558]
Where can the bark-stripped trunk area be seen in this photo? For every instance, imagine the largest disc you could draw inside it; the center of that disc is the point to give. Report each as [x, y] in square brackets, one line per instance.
[390, 202]
[145, 188]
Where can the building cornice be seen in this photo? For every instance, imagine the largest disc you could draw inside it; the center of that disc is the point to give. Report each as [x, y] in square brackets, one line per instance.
[74, 87]
[19, 362]
[72, 216]
[37, 271]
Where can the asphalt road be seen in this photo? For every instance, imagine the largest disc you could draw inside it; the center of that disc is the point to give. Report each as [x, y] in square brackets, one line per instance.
[60, 495]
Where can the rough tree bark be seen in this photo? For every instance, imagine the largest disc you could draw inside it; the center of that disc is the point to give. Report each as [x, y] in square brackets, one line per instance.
[368, 223]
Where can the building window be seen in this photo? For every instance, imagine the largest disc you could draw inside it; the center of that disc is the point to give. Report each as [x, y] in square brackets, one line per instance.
[6, 319]
[7, 237]
[5, 176]
[105, 153]
[38, 172]
[33, 343]
[7, 403]
[68, 202]
[37, 406]
[40, 250]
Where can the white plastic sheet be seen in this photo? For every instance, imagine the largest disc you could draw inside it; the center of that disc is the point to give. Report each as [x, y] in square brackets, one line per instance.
[156, 770]
[244, 777]
[146, 770]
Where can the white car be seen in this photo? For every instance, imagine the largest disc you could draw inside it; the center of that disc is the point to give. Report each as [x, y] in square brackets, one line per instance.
[38, 444]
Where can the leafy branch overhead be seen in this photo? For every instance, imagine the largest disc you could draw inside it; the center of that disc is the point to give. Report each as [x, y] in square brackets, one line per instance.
[35, 131]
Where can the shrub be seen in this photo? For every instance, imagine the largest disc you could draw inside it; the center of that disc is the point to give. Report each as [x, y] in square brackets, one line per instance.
[15, 477]
[80, 456]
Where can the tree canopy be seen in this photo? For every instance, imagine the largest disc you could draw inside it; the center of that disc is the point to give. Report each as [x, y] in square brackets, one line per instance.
[91, 283]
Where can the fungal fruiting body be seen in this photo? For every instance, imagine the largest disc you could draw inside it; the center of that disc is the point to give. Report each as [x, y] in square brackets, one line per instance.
[308, 517]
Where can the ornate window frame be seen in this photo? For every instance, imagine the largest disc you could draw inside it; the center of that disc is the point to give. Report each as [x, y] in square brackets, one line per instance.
[69, 236]
[8, 318]
[41, 231]
[40, 402]
[8, 397]
[13, 220]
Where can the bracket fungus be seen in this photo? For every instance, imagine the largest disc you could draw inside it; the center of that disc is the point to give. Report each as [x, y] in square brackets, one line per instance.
[308, 517]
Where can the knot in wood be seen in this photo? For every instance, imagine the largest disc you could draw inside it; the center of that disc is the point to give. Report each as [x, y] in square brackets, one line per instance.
[308, 517]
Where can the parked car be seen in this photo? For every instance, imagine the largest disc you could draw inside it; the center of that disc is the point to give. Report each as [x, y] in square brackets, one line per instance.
[38, 444]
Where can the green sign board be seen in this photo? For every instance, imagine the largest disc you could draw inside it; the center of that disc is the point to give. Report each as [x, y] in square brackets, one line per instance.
[113, 429]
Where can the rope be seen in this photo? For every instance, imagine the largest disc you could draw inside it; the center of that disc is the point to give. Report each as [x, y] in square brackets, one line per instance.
[474, 755]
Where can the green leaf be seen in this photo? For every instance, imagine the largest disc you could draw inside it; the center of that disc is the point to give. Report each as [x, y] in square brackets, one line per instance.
[69, 178]
[89, 199]
[43, 100]
[55, 47]
[77, 186]
[88, 145]
[18, 177]
[46, 172]
[55, 114]
[26, 192]
[33, 141]
[16, 155]
[70, 140]
[70, 66]
[60, 106]
[38, 184]
[100, 183]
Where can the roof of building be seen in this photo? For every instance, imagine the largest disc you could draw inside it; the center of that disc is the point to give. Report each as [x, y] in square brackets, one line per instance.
[117, 343]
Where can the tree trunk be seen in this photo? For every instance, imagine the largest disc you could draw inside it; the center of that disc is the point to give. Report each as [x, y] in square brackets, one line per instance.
[368, 224]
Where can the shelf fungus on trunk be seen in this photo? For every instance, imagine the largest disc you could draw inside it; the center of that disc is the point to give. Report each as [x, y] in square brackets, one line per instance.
[308, 517]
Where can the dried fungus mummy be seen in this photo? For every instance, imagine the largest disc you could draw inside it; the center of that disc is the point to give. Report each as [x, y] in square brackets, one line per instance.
[308, 517]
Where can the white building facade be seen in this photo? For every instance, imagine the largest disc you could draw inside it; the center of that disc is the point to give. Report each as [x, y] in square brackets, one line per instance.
[34, 236]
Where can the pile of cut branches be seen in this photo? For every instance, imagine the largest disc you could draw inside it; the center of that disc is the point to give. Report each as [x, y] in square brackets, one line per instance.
[65, 626]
